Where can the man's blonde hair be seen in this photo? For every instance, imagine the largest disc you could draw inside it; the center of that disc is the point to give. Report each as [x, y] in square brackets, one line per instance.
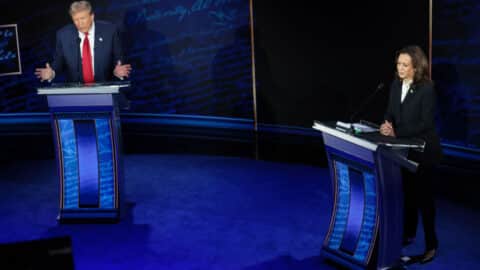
[78, 6]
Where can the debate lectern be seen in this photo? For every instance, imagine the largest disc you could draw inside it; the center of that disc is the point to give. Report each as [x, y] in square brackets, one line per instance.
[366, 224]
[86, 129]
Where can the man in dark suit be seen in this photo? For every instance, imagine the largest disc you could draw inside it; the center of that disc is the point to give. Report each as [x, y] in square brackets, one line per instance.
[411, 114]
[87, 51]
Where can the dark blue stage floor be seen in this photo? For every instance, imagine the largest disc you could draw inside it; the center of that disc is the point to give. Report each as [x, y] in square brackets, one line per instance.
[208, 212]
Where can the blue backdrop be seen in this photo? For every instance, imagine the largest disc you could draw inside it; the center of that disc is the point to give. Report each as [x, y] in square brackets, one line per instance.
[455, 70]
[189, 57]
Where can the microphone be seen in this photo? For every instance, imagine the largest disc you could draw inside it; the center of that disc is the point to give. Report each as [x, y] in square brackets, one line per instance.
[380, 86]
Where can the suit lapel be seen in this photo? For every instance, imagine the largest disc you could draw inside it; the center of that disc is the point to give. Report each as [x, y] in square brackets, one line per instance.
[76, 49]
[98, 45]
[410, 94]
[396, 102]
[398, 95]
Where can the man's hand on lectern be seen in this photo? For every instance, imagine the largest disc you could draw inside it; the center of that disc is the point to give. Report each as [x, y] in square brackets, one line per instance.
[122, 71]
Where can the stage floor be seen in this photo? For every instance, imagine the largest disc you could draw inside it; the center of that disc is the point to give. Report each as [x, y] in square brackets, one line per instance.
[208, 212]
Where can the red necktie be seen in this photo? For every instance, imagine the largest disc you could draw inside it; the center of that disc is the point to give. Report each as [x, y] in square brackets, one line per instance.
[87, 61]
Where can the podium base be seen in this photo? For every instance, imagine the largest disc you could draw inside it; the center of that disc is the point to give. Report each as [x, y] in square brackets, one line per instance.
[88, 216]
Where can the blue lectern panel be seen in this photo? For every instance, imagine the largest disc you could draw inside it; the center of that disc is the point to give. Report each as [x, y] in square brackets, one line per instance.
[87, 154]
[355, 222]
[365, 243]
[70, 164]
[87, 162]
[342, 205]
[355, 210]
[105, 157]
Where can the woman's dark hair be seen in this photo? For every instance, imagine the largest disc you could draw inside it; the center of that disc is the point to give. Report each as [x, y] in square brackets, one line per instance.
[419, 62]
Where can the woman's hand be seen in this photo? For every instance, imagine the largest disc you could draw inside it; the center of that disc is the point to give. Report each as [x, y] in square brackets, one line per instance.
[387, 129]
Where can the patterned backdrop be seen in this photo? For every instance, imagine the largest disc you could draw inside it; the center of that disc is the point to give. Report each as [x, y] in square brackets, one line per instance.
[456, 69]
[189, 57]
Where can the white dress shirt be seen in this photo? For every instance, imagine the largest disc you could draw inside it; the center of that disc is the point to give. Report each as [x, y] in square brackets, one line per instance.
[405, 87]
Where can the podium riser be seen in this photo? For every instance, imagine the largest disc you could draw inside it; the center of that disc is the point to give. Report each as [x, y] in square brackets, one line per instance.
[88, 163]
[367, 215]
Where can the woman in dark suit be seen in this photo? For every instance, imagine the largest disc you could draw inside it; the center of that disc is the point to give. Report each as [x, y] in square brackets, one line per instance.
[410, 114]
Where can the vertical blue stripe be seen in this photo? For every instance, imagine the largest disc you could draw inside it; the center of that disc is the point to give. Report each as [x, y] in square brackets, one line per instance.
[355, 213]
[70, 163]
[87, 162]
[105, 156]
[342, 205]
[367, 234]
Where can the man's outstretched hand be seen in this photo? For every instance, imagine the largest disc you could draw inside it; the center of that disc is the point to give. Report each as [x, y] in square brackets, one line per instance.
[44, 74]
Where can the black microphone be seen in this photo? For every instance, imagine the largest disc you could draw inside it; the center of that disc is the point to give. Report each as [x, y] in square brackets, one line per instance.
[380, 86]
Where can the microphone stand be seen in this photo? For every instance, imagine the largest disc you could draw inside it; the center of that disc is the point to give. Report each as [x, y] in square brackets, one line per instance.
[367, 101]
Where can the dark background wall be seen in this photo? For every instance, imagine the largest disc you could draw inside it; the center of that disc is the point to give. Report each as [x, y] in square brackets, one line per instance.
[320, 61]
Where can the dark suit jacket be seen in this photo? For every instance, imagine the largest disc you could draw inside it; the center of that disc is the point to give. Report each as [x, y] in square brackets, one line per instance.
[108, 51]
[415, 118]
